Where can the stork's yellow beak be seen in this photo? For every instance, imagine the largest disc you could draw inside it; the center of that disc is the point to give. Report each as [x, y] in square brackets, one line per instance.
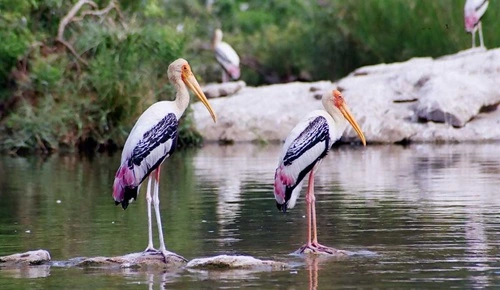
[344, 109]
[192, 83]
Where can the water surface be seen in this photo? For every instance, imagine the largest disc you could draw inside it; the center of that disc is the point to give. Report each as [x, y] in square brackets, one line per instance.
[419, 216]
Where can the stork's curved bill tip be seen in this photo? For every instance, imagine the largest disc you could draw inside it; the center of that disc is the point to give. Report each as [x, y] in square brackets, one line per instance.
[344, 109]
[193, 84]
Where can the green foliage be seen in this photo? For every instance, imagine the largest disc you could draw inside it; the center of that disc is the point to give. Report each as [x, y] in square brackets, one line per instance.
[398, 30]
[47, 73]
[126, 73]
[15, 40]
[36, 126]
[188, 136]
[312, 40]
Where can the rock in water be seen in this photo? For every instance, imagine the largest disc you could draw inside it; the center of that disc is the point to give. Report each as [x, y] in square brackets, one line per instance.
[235, 262]
[37, 257]
[135, 260]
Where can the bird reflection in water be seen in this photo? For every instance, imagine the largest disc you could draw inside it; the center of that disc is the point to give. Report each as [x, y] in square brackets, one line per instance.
[228, 207]
[312, 262]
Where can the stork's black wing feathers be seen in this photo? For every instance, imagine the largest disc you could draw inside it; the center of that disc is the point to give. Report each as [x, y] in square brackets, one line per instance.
[481, 5]
[315, 132]
[165, 129]
[221, 57]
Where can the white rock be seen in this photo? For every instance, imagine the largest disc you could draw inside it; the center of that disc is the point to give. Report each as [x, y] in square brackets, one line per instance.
[217, 90]
[422, 100]
[258, 114]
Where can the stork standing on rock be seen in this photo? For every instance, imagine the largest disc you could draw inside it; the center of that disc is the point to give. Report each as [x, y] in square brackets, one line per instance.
[303, 151]
[473, 11]
[150, 142]
[227, 57]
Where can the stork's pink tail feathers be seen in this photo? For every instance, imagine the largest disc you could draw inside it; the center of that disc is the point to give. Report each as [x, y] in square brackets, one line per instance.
[281, 181]
[233, 71]
[124, 188]
[470, 22]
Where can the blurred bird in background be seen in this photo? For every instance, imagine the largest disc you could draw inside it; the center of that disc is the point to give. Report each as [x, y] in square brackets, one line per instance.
[227, 57]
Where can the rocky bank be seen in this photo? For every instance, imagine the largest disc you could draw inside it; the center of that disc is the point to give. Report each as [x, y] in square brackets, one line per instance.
[448, 99]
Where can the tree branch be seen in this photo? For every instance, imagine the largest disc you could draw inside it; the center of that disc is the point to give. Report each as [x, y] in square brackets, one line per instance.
[112, 5]
[65, 21]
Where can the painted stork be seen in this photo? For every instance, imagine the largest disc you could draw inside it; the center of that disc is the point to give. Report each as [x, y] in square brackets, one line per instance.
[226, 57]
[153, 139]
[304, 148]
[473, 11]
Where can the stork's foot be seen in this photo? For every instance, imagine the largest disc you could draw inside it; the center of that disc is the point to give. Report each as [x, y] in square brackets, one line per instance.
[318, 249]
[150, 250]
[167, 255]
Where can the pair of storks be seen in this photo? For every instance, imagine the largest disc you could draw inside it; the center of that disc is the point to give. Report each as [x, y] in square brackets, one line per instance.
[154, 136]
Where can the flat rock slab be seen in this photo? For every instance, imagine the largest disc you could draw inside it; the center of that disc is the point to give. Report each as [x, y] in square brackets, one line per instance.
[228, 262]
[134, 260]
[37, 257]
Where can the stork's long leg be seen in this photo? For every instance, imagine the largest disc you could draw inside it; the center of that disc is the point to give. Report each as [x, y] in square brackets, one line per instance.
[156, 203]
[480, 28]
[150, 221]
[473, 38]
[312, 245]
[309, 201]
[313, 211]
[225, 77]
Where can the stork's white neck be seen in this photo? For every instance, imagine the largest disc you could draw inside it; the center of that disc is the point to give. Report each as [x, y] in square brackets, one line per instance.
[181, 96]
[217, 38]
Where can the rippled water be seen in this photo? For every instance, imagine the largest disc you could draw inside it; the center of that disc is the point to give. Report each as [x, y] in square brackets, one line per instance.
[419, 216]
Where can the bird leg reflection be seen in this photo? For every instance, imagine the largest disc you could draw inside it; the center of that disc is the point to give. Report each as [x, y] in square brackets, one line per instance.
[312, 266]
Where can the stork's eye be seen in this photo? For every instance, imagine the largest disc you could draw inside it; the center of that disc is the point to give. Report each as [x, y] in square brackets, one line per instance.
[186, 68]
[338, 99]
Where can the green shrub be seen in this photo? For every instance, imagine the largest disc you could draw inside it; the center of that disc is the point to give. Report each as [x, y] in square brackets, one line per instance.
[126, 73]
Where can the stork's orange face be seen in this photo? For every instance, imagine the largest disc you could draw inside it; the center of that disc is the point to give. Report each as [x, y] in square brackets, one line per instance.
[338, 101]
[186, 72]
